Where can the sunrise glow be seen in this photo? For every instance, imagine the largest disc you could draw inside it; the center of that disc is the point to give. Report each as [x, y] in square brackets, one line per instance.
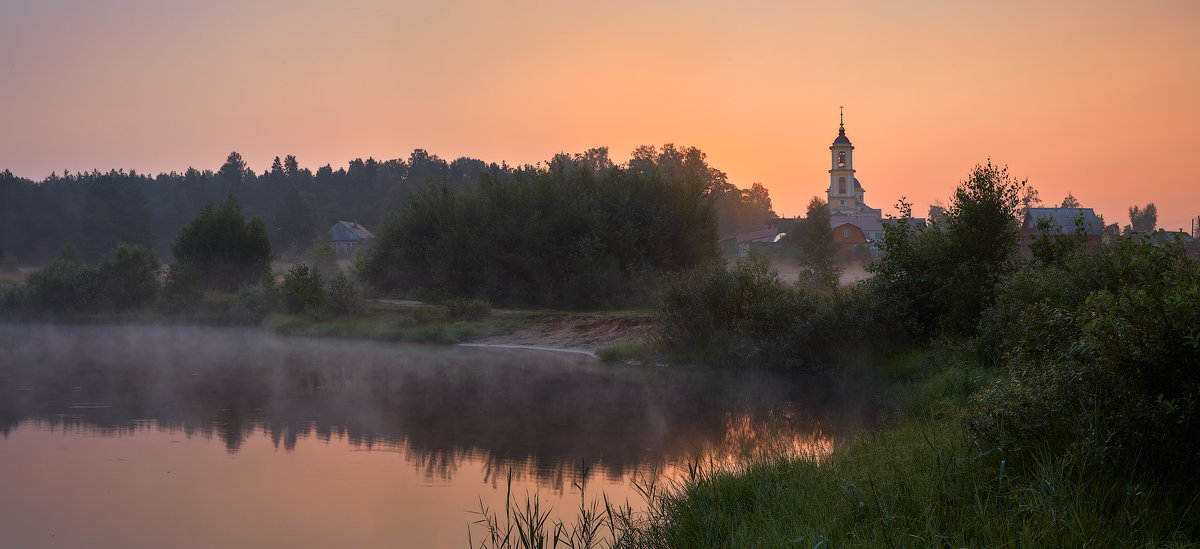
[1097, 99]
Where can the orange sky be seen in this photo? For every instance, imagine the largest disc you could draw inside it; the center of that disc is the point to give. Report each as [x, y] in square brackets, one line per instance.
[1098, 98]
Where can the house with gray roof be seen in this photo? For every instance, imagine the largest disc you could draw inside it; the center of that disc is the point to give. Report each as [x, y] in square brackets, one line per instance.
[348, 236]
[1058, 223]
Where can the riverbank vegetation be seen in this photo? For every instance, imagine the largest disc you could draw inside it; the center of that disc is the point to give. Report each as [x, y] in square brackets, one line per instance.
[1054, 404]
[1040, 400]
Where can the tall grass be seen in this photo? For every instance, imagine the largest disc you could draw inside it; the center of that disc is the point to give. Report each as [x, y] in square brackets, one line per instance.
[529, 526]
[921, 483]
[921, 480]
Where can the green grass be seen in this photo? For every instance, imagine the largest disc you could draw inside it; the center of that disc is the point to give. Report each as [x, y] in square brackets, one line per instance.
[921, 483]
[924, 480]
[641, 349]
[423, 324]
[920, 480]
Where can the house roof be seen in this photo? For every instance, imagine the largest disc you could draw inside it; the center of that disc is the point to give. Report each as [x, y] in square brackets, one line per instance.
[785, 224]
[864, 222]
[355, 229]
[757, 235]
[1062, 220]
[1163, 236]
[913, 221]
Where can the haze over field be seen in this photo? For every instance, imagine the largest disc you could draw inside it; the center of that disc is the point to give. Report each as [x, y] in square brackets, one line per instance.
[1096, 98]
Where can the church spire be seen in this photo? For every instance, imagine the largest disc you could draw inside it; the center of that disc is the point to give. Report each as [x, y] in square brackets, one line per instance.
[841, 120]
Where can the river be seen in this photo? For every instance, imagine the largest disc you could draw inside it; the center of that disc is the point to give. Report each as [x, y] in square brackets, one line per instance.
[150, 436]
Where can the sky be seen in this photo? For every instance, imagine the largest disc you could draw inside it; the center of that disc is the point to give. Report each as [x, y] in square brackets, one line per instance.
[1099, 99]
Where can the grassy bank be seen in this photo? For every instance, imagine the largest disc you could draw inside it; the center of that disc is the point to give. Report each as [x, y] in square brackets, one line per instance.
[386, 322]
[923, 480]
[923, 483]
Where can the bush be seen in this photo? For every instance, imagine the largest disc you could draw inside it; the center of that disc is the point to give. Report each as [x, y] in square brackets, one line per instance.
[1117, 372]
[742, 314]
[302, 289]
[63, 285]
[253, 303]
[745, 315]
[467, 309]
[323, 258]
[343, 294]
[9, 264]
[222, 250]
[942, 278]
[128, 278]
[182, 289]
[216, 302]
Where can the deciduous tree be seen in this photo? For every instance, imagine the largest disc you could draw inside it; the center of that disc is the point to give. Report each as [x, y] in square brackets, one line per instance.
[222, 248]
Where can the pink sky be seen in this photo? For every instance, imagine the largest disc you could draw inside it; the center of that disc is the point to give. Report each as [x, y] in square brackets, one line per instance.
[1100, 99]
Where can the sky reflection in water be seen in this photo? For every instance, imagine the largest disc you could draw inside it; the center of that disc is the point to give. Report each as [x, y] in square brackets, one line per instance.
[331, 442]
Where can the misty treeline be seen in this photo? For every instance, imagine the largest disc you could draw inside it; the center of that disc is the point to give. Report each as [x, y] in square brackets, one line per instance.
[1096, 345]
[95, 211]
[579, 234]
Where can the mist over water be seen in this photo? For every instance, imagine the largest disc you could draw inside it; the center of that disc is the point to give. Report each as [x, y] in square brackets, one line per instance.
[440, 417]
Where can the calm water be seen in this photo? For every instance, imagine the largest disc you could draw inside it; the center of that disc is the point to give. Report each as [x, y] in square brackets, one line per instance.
[204, 437]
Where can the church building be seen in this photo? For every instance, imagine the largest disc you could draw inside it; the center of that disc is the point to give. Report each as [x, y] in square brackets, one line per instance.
[845, 194]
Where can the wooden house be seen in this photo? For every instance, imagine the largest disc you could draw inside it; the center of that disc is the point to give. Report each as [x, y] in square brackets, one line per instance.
[1057, 223]
[348, 236]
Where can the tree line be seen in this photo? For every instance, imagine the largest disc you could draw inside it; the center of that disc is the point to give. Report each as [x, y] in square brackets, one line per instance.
[96, 211]
[579, 234]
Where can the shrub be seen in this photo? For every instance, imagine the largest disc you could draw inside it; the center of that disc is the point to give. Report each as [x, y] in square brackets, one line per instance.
[216, 302]
[62, 285]
[14, 299]
[9, 264]
[942, 277]
[1117, 372]
[253, 303]
[302, 289]
[223, 249]
[343, 294]
[323, 257]
[742, 314]
[128, 278]
[745, 315]
[467, 309]
[182, 289]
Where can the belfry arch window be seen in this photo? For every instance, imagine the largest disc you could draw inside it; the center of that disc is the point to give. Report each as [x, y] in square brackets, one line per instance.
[841, 159]
[841, 185]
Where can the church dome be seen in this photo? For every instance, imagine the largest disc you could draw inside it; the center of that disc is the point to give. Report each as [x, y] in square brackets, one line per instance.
[841, 138]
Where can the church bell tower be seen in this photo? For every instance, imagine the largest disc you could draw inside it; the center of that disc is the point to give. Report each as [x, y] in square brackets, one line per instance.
[843, 198]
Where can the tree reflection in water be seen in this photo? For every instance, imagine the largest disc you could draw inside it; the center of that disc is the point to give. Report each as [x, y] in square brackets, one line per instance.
[534, 413]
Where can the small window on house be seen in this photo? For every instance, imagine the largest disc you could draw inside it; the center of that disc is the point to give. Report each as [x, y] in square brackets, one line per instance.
[842, 202]
[845, 233]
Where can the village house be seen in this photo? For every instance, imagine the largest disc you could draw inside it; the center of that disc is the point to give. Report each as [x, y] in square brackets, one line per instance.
[1054, 223]
[348, 236]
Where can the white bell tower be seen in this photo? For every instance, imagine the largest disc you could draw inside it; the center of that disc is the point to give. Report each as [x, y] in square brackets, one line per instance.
[843, 198]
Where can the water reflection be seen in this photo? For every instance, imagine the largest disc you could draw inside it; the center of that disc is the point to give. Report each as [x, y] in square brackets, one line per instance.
[536, 413]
